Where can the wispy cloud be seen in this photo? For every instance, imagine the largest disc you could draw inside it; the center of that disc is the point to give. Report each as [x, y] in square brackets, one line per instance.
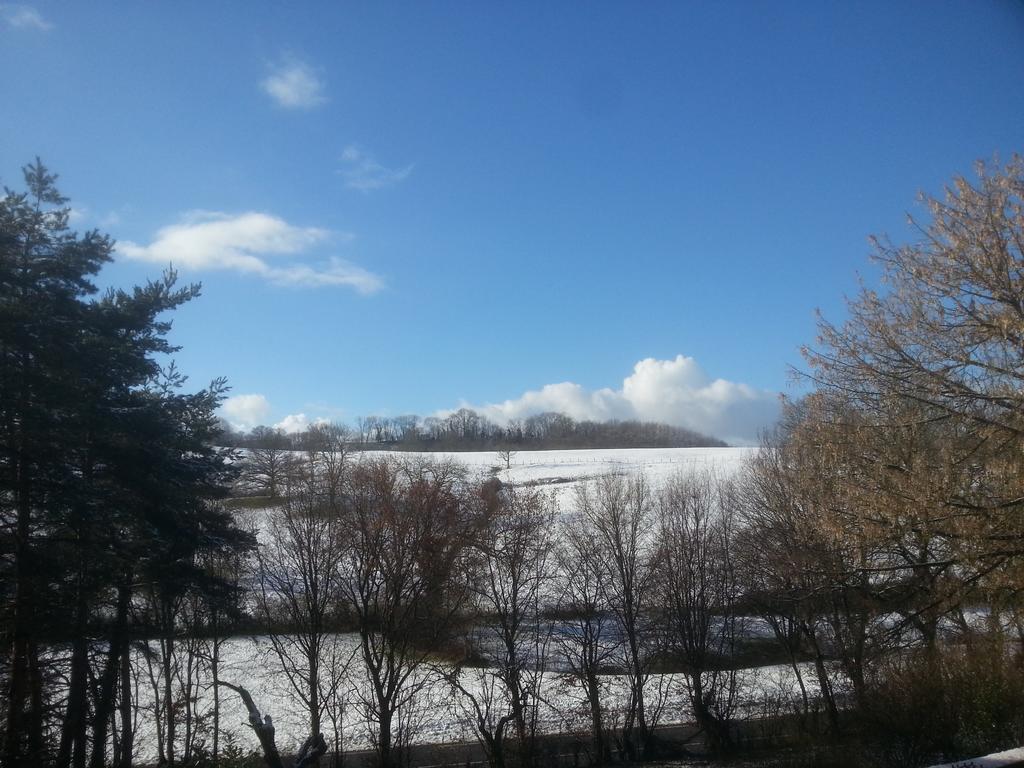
[334, 272]
[207, 240]
[362, 171]
[79, 214]
[111, 219]
[293, 84]
[24, 17]
[675, 391]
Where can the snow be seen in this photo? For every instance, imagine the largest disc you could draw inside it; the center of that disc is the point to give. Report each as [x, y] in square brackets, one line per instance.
[996, 759]
[562, 471]
[250, 662]
[532, 466]
[440, 716]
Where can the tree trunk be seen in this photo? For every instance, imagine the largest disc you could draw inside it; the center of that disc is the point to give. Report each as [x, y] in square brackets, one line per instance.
[823, 682]
[127, 726]
[312, 749]
[36, 743]
[314, 694]
[72, 736]
[384, 746]
[600, 756]
[17, 727]
[106, 701]
[168, 678]
[215, 672]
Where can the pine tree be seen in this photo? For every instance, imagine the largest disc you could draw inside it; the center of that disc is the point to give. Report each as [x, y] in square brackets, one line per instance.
[107, 473]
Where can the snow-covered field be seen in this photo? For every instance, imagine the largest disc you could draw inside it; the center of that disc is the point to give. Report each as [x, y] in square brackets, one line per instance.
[440, 717]
[559, 473]
[439, 714]
[563, 471]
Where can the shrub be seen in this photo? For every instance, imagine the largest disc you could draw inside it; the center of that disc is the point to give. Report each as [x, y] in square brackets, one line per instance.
[948, 704]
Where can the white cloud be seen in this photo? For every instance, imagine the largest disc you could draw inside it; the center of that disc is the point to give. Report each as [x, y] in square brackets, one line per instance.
[671, 391]
[297, 422]
[24, 17]
[206, 240]
[362, 171]
[293, 84]
[246, 411]
[76, 215]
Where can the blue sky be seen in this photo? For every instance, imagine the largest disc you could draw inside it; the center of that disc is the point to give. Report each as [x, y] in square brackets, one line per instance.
[610, 209]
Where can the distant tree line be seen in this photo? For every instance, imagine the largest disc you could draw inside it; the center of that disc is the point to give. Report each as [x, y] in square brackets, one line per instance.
[467, 430]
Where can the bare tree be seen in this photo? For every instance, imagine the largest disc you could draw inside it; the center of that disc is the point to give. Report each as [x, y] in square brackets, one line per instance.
[699, 593]
[410, 528]
[513, 571]
[177, 666]
[407, 427]
[336, 694]
[587, 641]
[270, 465]
[327, 461]
[230, 569]
[506, 455]
[806, 519]
[778, 547]
[299, 577]
[617, 510]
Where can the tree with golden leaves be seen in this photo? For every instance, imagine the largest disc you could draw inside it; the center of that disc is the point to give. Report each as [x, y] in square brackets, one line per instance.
[925, 385]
